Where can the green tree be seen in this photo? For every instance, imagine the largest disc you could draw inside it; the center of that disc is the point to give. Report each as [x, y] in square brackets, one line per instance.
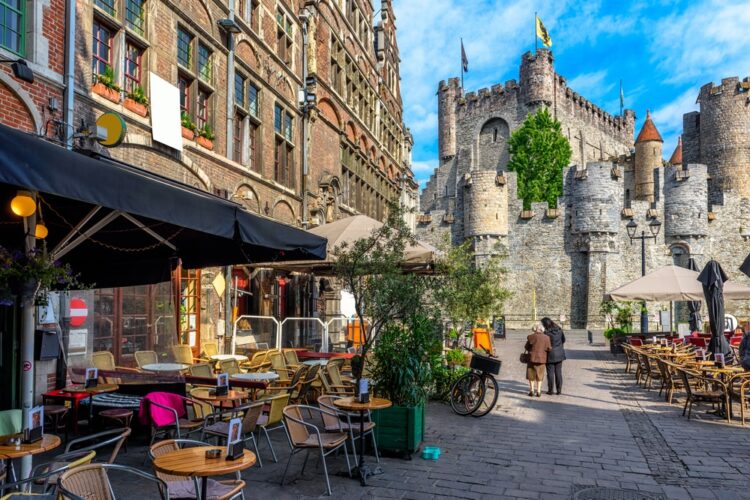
[539, 152]
[465, 291]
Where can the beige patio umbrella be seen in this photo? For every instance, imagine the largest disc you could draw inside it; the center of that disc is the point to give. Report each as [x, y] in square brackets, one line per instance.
[672, 283]
[418, 257]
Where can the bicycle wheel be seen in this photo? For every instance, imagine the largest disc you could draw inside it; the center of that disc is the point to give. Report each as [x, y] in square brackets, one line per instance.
[489, 400]
[466, 394]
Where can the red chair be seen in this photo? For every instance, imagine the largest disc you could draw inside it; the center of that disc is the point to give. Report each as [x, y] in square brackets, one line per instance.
[634, 341]
[736, 340]
[697, 342]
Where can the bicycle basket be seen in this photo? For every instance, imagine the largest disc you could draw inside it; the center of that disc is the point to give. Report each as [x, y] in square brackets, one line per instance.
[485, 364]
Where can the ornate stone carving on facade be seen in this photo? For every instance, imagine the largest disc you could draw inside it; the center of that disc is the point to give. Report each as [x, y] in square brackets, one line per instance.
[312, 57]
[324, 206]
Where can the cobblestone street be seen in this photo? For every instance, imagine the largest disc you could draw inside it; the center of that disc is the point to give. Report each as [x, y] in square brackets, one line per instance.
[603, 432]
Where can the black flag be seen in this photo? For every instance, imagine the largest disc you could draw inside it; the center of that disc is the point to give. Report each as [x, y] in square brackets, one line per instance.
[464, 59]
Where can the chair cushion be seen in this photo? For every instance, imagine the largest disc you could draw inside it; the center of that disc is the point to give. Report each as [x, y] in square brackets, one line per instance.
[328, 440]
[216, 489]
[263, 419]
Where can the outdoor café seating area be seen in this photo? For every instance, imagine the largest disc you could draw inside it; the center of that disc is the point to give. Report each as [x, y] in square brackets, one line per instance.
[690, 377]
[207, 421]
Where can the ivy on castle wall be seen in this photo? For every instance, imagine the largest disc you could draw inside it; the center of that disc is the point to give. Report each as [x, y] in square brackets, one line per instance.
[539, 152]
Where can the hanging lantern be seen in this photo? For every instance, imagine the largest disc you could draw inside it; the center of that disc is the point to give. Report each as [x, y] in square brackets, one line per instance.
[23, 204]
[40, 231]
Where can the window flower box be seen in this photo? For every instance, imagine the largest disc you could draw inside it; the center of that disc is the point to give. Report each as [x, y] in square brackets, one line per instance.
[136, 107]
[188, 133]
[108, 93]
[205, 142]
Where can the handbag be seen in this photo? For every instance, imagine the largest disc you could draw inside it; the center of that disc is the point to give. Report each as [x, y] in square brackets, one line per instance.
[525, 357]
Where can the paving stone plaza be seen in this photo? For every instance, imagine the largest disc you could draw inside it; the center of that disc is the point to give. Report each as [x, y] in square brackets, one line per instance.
[604, 438]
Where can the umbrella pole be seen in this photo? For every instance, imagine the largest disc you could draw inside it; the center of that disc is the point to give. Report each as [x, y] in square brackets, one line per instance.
[27, 342]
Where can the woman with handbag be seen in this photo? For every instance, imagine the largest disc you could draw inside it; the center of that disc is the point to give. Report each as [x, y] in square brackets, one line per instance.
[556, 356]
[537, 347]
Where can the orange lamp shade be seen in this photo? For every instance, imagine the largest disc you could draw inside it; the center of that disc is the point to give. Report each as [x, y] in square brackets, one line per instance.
[40, 231]
[23, 204]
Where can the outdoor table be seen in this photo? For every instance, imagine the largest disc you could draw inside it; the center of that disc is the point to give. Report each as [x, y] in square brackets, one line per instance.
[260, 376]
[351, 404]
[313, 362]
[70, 400]
[232, 396]
[10, 451]
[165, 367]
[223, 357]
[323, 355]
[99, 389]
[190, 462]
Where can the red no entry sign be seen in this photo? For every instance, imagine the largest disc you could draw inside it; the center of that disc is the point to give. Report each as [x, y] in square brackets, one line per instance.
[79, 311]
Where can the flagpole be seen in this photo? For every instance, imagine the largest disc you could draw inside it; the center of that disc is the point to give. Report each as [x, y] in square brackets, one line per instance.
[622, 104]
[462, 65]
[536, 38]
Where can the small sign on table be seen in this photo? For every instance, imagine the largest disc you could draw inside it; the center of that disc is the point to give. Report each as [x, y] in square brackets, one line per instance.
[34, 425]
[222, 384]
[92, 378]
[235, 445]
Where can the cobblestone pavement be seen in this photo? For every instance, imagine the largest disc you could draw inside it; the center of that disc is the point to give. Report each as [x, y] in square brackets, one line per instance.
[603, 438]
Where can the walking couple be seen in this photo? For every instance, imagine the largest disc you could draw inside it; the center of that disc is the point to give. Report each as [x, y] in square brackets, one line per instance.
[545, 350]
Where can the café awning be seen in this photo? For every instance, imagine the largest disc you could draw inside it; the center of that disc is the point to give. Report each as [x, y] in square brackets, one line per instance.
[119, 225]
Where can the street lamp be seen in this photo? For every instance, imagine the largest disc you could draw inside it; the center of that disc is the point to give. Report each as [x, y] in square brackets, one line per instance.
[654, 226]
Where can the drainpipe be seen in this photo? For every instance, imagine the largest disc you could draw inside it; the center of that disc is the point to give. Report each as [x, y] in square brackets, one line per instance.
[305, 118]
[70, 54]
[228, 310]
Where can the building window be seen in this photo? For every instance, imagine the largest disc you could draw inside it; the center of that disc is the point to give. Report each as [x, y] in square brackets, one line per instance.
[201, 117]
[253, 105]
[12, 25]
[237, 139]
[284, 147]
[248, 11]
[284, 37]
[107, 6]
[204, 63]
[102, 49]
[133, 56]
[184, 50]
[239, 90]
[252, 143]
[184, 85]
[135, 15]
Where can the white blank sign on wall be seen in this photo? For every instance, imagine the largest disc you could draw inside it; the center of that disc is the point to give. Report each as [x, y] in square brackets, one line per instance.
[165, 112]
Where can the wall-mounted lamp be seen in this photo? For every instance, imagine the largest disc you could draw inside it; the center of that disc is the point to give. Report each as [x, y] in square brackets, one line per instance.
[40, 231]
[20, 69]
[23, 204]
[230, 25]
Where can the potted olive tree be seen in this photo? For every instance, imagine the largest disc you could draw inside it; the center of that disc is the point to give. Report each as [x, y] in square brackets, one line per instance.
[619, 320]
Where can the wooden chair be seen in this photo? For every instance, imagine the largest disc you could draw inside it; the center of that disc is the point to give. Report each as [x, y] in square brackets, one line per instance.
[304, 436]
[146, 358]
[273, 419]
[631, 357]
[180, 487]
[333, 425]
[91, 482]
[709, 395]
[250, 415]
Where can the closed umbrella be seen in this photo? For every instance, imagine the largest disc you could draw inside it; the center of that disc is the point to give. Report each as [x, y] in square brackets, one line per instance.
[694, 306]
[712, 278]
[745, 267]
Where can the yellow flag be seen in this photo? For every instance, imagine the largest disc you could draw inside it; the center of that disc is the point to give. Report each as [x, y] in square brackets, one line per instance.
[542, 33]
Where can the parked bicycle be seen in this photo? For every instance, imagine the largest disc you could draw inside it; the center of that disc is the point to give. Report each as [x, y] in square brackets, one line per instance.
[476, 392]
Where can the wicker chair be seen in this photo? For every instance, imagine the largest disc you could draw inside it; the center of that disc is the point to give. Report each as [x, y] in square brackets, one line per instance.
[114, 437]
[305, 436]
[292, 361]
[180, 487]
[146, 358]
[91, 482]
[103, 360]
[45, 475]
[278, 364]
[210, 348]
[652, 371]
[343, 422]
[273, 419]
[230, 366]
[201, 370]
[250, 415]
[291, 387]
[183, 353]
[670, 379]
[330, 388]
[702, 396]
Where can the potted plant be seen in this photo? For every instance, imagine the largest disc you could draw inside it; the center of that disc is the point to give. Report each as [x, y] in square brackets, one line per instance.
[619, 320]
[206, 137]
[136, 101]
[106, 86]
[188, 126]
[28, 276]
[454, 357]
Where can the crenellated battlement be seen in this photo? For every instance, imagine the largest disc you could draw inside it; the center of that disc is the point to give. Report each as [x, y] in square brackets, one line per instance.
[729, 86]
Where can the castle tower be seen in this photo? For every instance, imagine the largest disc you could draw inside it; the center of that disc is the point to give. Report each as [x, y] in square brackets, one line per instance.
[685, 205]
[448, 94]
[485, 210]
[725, 136]
[537, 78]
[676, 158]
[648, 156]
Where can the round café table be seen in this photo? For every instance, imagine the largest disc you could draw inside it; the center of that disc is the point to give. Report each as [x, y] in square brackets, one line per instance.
[165, 367]
[9, 451]
[193, 462]
[91, 391]
[223, 357]
[257, 376]
[351, 404]
[231, 399]
[313, 362]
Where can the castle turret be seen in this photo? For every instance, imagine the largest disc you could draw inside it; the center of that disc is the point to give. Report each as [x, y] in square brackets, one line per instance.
[648, 156]
[676, 159]
[725, 136]
[486, 206]
[537, 77]
[596, 196]
[448, 94]
[685, 202]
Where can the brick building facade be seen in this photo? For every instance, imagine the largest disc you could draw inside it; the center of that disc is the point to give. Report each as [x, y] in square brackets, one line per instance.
[295, 110]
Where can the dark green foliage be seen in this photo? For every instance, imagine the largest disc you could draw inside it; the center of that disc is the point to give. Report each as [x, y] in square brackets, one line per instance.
[443, 378]
[539, 152]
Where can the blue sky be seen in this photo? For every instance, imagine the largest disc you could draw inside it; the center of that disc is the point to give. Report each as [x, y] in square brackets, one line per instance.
[663, 51]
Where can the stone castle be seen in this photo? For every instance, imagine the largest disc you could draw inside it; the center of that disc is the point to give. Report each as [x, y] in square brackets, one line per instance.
[561, 261]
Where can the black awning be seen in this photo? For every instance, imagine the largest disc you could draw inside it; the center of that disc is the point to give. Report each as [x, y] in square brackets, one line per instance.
[120, 225]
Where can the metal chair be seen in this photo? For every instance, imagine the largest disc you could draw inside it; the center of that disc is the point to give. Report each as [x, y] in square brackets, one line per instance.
[180, 487]
[702, 396]
[250, 415]
[352, 428]
[181, 423]
[304, 436]
[115, 437]
[143, 358]
[230, 366]
[201, 370]
[183, 353]
[46, 474]
[273, 419]
[91, 482]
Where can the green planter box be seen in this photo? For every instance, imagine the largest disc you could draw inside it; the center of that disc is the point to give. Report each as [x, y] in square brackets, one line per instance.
[399, 429]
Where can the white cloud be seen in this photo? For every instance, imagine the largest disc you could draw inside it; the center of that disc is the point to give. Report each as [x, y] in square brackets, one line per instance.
[424, 167]
[592, 85]
[668, 118]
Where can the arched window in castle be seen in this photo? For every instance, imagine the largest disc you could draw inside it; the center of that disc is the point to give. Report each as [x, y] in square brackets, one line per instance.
[493, 145]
